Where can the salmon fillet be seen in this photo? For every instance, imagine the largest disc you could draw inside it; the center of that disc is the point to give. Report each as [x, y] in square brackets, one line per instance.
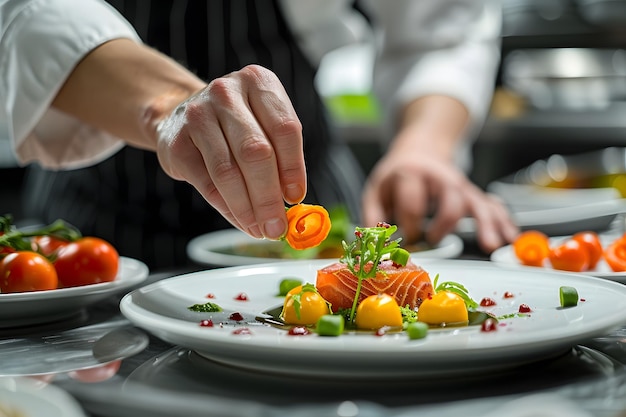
[409, 284]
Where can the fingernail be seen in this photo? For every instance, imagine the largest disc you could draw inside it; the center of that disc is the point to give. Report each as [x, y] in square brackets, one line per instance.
[274, 229]
[255, 231]
[294, 193]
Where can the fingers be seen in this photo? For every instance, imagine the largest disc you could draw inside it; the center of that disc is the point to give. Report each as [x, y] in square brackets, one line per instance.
[407, 192]
[239, 142]
[278, 119]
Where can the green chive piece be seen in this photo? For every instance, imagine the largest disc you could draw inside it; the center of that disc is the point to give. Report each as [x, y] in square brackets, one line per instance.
[568, 296]
[330, 325]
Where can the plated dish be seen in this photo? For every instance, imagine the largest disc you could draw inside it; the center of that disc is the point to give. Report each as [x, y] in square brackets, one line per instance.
[506, 256]
[37, 307]
[25, 397]
[232, 247]
[162, 308]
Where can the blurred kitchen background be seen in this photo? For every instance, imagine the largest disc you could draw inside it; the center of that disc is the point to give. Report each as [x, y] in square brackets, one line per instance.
[561, 89]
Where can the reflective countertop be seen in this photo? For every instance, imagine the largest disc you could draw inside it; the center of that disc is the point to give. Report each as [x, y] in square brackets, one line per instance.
[115, 369]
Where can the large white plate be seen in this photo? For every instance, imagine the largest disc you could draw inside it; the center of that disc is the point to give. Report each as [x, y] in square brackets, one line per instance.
[506, 256]
[37, 307]
[25, 397]
[208, 249]
[162, 309]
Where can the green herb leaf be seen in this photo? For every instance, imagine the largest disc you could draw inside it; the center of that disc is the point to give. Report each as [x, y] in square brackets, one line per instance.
[456, 288]
[363, 255]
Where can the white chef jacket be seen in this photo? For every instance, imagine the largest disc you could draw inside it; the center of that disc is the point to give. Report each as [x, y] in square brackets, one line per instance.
[424, 47]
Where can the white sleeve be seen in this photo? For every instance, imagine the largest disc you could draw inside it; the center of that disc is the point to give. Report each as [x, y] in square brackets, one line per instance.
[449, 47]
[41, 41]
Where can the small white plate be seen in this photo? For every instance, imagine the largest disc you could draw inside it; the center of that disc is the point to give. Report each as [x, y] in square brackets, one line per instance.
[215, 249]
[557, 221]
[26, 397]
[37, 307]
[506, 256]
[162, 309]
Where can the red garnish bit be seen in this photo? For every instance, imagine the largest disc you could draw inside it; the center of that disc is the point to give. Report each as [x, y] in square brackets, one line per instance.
[210, 295]
[524, 308]
[298, 331]
[206, 323]
[383, 224]
[508, 294]
[236, 316]
[487, 302]
[358, 234]
[583, 300]
[242, 330]
[381, 332]
[489, 325]
[242, 297]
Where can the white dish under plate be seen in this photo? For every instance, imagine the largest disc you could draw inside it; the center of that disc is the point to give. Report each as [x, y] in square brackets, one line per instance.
[37, 307]
[26, 397]
[162, 309]
[556, 221]
[506, 256]
[214, 249]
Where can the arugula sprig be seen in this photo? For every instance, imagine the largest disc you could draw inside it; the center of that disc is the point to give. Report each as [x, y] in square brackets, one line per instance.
[456, 288]
[11, 236]
[363, 255]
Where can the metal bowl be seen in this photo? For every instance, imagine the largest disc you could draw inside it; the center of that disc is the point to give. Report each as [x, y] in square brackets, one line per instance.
[567, 78]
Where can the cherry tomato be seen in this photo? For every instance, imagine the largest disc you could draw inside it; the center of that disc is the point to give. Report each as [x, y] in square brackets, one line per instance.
[304, 305]
[98, 373]
[444, 307]
[570, 255]
[591, 241]
[532, 247]
[48, 245]
[23, 271]
[88, 260]
[615, 255]
[377, 311]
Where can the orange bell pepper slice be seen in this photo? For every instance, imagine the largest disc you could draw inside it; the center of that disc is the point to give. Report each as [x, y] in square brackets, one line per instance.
[532, 247]
[309, 226]
[615, 255]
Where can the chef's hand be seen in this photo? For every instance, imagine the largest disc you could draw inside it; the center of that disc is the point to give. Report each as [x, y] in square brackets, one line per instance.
[239, 143]
[417, 186]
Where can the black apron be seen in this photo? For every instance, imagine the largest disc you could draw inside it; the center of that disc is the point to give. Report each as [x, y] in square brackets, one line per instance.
[128, 199]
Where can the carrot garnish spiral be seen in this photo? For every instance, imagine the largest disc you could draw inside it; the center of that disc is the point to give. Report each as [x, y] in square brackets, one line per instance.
[308, 226]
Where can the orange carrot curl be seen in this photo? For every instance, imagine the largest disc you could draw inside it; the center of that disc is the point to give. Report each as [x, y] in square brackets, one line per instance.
[308, 226]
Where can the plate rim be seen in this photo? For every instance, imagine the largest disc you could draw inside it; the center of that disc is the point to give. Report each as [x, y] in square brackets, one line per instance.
[56, 398]
[449, 247]
[91, 289]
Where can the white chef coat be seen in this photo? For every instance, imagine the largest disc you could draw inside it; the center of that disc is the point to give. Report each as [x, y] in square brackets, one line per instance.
[424, 47]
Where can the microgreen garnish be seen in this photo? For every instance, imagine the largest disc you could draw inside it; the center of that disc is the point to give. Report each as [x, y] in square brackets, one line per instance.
[363, 255]
[408, 315]
[456, 288]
